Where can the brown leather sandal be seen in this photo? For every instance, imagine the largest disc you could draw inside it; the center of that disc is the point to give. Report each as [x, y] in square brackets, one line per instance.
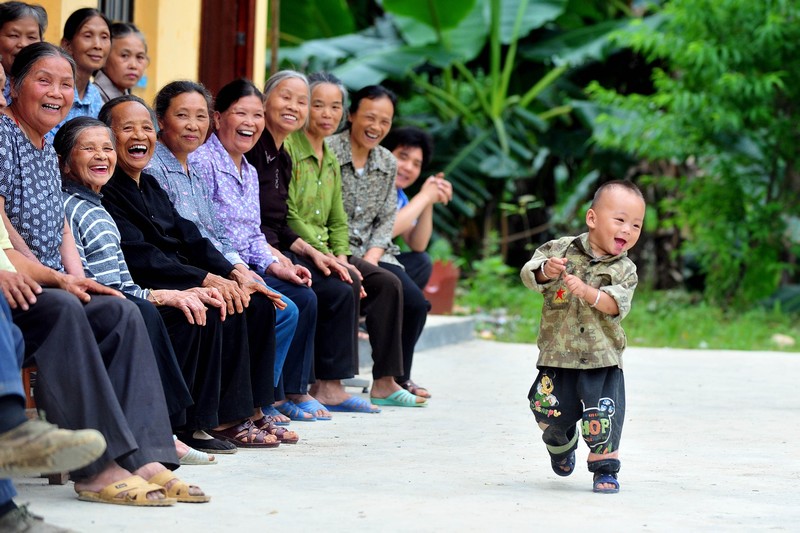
[285, 436]
[415, 389]
[246, 435]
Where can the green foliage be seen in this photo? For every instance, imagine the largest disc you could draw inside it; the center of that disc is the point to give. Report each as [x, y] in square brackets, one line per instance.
[511, 312]
[724, 109]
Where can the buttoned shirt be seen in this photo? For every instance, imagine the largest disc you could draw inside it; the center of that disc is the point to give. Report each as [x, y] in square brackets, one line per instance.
[572, 334]
[234, 197]
[370, 200]
[30, 182]
[98, 240]
[274, 168]
[192, 199]
[89, 106]
[316, 211]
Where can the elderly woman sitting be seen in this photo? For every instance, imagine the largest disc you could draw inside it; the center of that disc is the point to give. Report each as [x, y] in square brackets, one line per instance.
[85, 147]
[107, 379]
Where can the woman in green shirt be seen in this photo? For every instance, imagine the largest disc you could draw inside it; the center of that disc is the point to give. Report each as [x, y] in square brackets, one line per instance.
[316, 214]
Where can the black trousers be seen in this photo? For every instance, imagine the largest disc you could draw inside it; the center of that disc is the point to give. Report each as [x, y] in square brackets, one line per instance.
[415, 314]
[418, 267]
[97, 370]
[199, 355]
[383, 308]
[336, 340]
[594, 399]
[298, 368]
[176, 391]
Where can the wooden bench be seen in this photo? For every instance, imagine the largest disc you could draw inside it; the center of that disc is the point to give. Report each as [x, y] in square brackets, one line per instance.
[28, 383]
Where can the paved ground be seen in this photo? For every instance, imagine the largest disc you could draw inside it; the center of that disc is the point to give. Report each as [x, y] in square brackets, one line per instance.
[709, 444]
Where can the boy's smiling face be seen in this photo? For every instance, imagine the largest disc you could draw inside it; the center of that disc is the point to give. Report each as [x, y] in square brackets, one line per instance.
[615, 221]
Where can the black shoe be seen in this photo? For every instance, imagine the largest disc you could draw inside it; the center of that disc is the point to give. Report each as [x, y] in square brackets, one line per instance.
[211, 445]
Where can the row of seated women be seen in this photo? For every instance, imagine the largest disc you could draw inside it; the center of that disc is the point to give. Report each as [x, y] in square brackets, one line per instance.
[204, 231]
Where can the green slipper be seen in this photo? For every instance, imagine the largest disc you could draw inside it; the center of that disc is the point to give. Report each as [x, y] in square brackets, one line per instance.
[401, 398]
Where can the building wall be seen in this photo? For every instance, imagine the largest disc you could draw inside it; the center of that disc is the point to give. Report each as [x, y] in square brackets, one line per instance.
[172, 29]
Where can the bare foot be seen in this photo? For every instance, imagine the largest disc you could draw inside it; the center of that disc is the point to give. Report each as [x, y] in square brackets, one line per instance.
[599, 457]
[386, 386]
[300, 398]
[151, 469]
[111, 474]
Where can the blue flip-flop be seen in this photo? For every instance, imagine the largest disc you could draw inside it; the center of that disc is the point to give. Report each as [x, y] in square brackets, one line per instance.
[271, 411]
[602, 478]
[290, 409]
[400, 398]
[353, 404]
[311, 407]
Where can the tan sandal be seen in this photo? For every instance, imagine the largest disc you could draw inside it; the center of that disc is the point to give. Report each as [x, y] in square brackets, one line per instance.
[179, 489]
[136, 490]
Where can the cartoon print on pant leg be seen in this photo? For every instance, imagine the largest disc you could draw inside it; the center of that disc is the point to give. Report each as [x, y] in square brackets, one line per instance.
[597, 426]
[544, 400]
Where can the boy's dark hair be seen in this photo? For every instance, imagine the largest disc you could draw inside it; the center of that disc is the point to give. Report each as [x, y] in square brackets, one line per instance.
[413, 138]
[625, 184]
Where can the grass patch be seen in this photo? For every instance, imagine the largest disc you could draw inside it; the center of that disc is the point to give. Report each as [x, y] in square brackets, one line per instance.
[508, 312]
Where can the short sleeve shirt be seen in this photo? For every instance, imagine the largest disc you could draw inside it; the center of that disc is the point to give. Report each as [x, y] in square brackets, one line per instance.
[572, 334]
[30, 182]
[370, 199]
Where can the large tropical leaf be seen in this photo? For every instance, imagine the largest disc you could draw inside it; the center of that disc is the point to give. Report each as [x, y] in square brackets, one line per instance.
[437, 14]
[313, 19]
[536, 14]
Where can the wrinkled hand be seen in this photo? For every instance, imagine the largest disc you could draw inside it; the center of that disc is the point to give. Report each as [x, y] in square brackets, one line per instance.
[235, 298]
[189, 302]
[328, 265]
[296, 274]
[84, 287]
[211, 296]
[20, 290]
[248, 285]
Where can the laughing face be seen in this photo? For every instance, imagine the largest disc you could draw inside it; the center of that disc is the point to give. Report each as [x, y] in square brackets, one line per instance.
[92, 159]
[409, 165]
[46, 94]
[286, 109]
[240, 126]
[371, 122]
[90, 45]
[615, 222]
[185, 124]
[136, 136]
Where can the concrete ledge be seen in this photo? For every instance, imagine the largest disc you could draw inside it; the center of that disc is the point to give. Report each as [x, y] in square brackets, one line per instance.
[440, 330]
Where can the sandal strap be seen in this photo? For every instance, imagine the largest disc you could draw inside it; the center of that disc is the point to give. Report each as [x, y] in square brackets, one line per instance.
[135, 488]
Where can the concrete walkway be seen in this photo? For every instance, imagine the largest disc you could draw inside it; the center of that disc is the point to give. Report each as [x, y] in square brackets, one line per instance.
[709, 445]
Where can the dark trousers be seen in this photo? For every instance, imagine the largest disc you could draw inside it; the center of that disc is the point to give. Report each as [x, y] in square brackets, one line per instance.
[418, 267]
[97, 370]
[199, 356]
[415, 313]
[336, 341]
[383, 308]
[175, 388]
[298, 368]
[248, 358]
[594, 399]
